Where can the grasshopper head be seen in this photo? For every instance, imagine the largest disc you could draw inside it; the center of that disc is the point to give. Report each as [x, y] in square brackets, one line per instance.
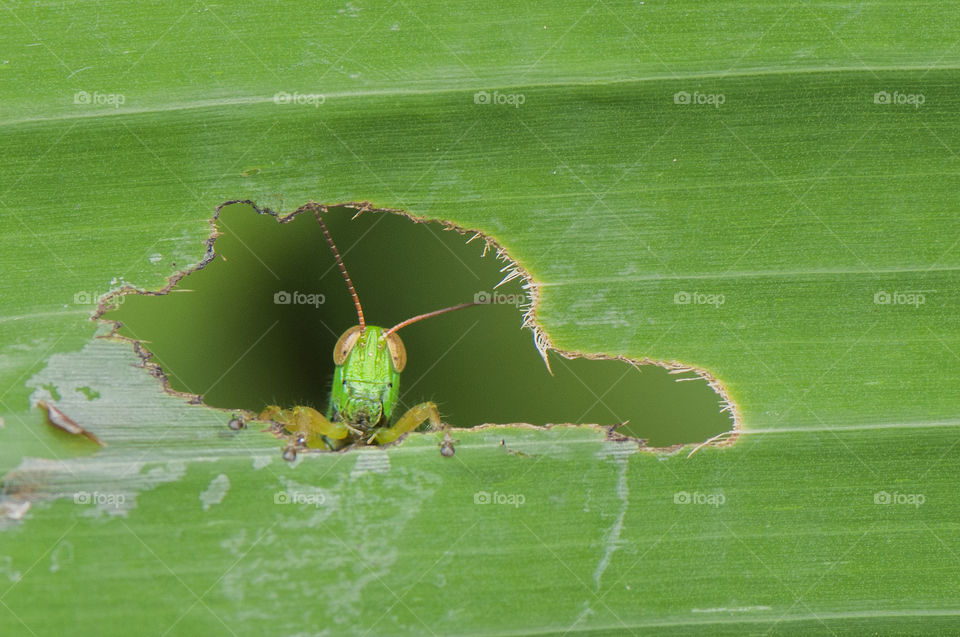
[369, 359]
[366, 382]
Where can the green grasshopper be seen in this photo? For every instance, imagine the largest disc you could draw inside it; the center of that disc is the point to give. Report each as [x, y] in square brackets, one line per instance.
[366, 387]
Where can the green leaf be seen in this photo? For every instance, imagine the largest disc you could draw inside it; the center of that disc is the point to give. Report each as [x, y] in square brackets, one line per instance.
[825, 216]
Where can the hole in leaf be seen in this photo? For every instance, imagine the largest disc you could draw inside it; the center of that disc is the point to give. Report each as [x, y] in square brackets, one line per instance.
[258, 324]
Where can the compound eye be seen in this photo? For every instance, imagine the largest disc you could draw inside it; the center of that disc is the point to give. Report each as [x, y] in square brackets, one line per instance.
[345, 345]
[398, 353]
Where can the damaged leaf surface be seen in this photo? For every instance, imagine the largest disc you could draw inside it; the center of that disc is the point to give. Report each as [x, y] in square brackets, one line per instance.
[823, 215]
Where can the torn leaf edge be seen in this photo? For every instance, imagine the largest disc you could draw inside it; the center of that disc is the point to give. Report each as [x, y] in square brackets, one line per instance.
[512, 270]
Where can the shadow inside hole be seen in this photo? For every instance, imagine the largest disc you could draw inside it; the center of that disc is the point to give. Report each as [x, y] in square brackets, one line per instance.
[258, 324]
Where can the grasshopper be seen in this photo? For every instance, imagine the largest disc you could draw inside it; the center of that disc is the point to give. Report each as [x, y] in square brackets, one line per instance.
[366, 387]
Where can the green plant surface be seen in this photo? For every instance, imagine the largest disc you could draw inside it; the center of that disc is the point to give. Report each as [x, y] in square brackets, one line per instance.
[824, 218]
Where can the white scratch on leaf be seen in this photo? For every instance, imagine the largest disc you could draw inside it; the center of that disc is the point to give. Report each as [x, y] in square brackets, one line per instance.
[371, 460]
[619, 453]
[6, 568]
[13, 509]
[586, 612]
[216, 491]
[259, 462]
[61, 556]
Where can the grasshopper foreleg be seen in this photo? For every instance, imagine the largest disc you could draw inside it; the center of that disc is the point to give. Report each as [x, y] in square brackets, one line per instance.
[415, 416]
[314, 427]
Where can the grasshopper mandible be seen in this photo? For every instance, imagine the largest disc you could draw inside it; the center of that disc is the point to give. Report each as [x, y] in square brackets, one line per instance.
[366, 387]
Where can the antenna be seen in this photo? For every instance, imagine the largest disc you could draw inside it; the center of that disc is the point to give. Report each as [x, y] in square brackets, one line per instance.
[343, 268]
[426, 316]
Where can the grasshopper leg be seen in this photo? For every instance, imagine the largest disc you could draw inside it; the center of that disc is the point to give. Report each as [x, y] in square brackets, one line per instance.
[415, 416]
[309, 423]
